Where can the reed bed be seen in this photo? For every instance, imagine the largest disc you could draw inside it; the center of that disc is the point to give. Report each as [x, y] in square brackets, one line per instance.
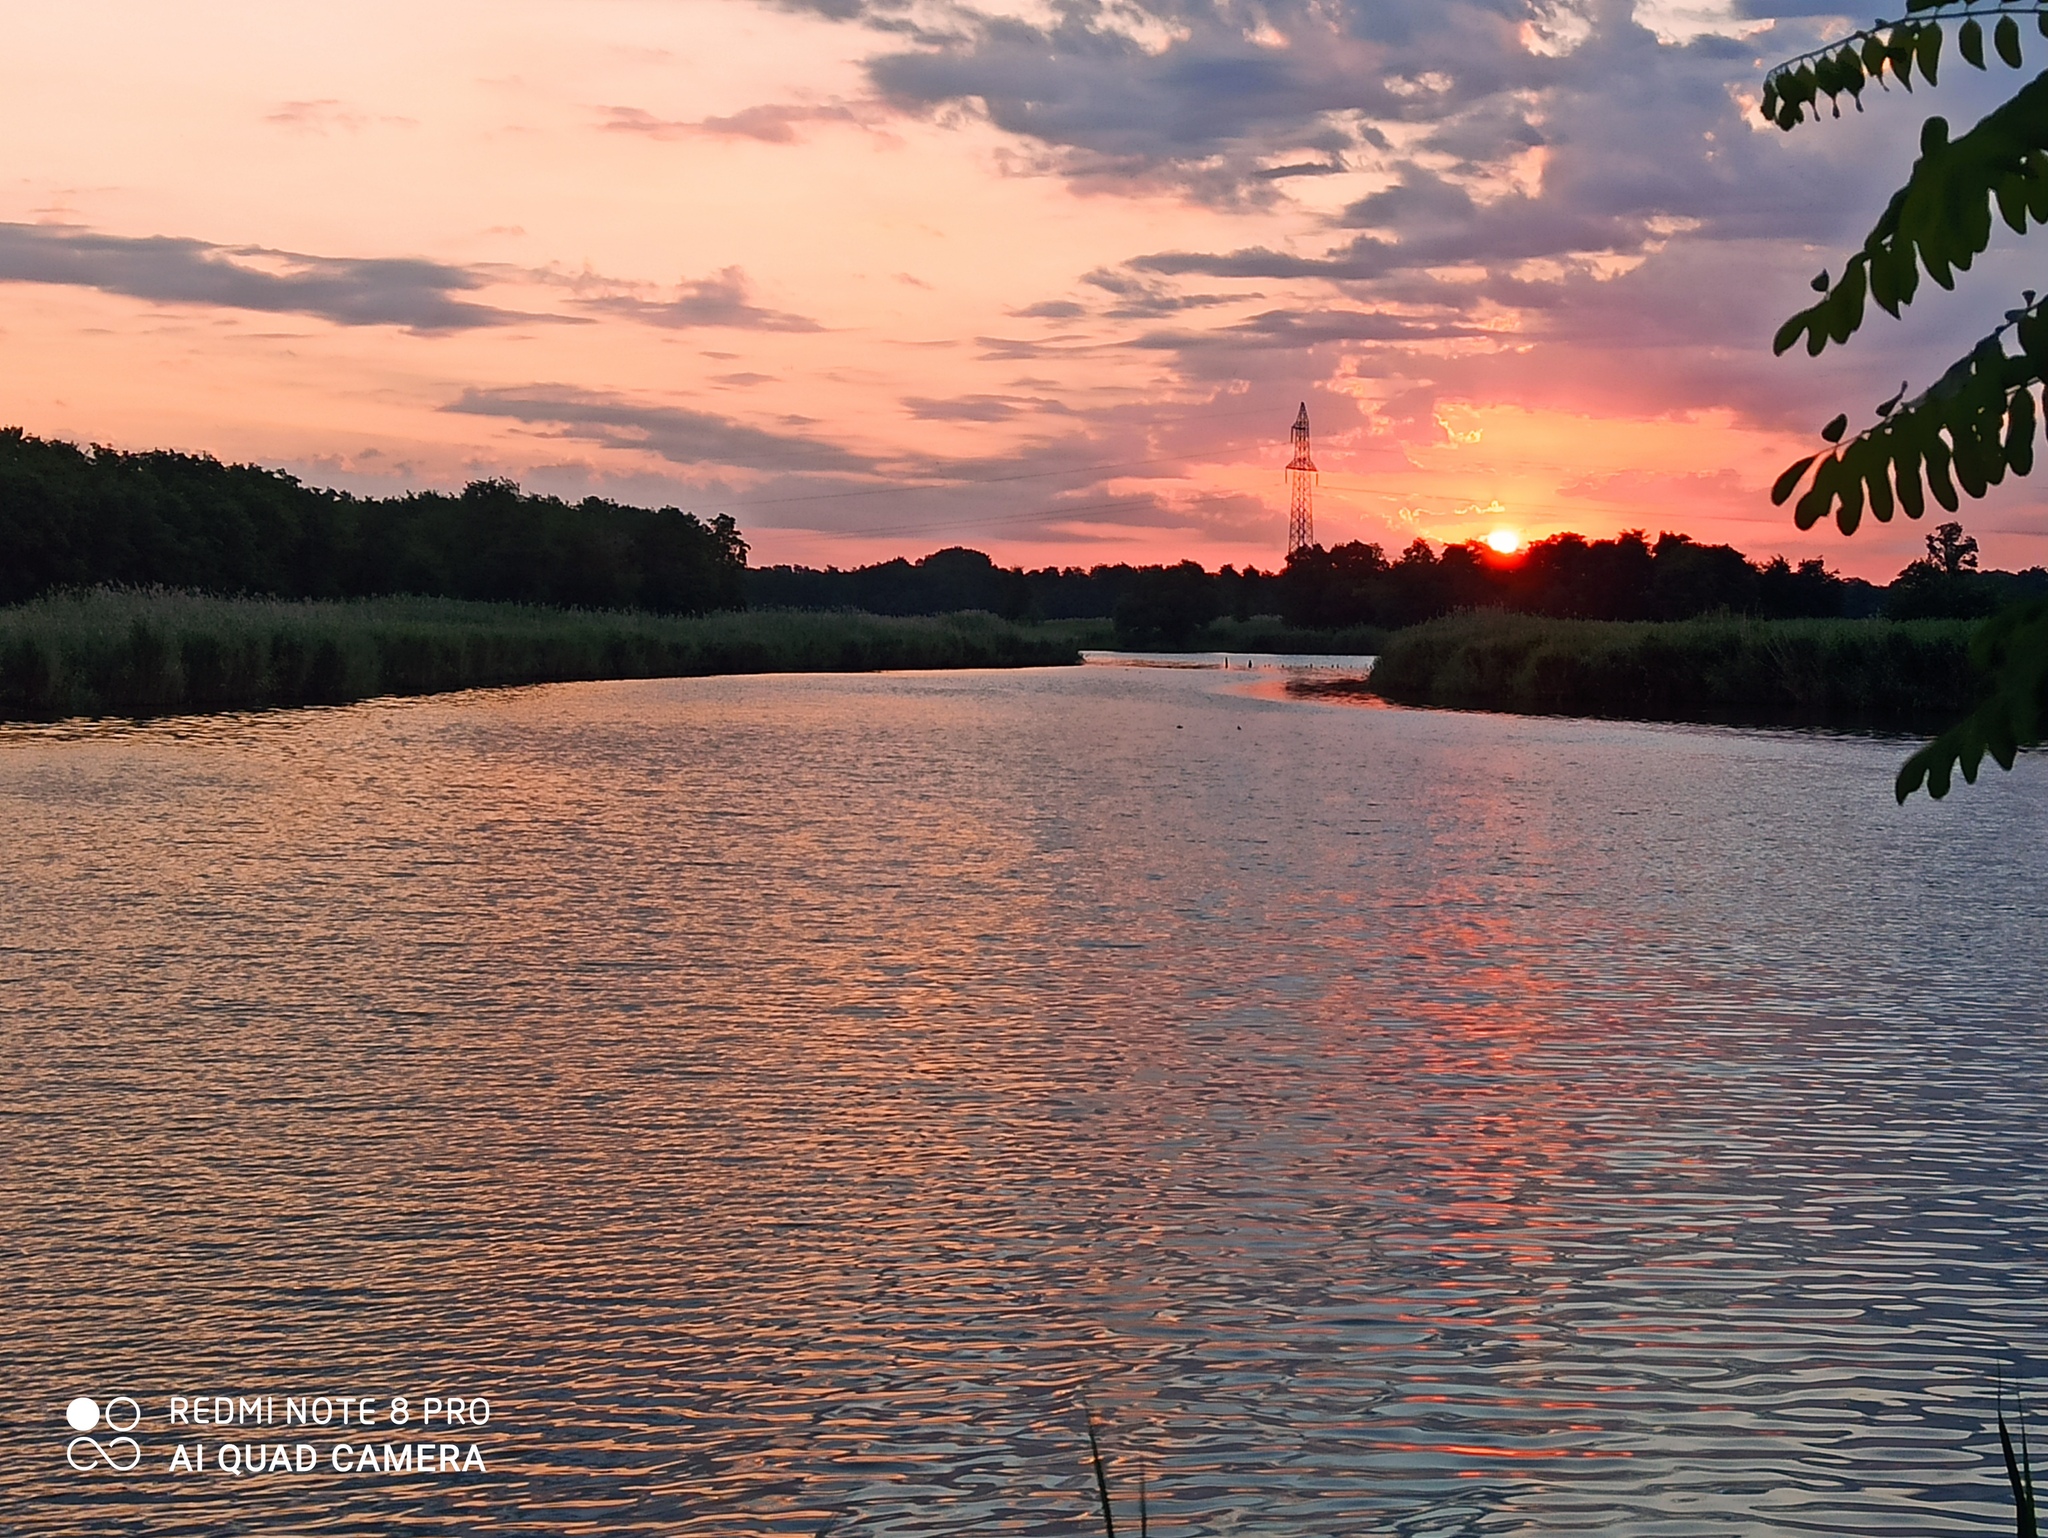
[1870, 673]
[155, 652]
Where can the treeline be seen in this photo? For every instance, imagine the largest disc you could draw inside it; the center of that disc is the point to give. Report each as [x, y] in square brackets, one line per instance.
[79, 518]
[1566, 576]
[958, 578]
[73, 518]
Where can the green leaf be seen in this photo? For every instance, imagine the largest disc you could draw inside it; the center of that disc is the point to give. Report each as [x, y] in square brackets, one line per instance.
[2019, 432]
[1884, 278]
[1927, 51]
[1879, 488]
[1849, 70]
[1906, 480]
[2007, 40]
[2032, 333]
[1845, 304]
[2011, 192]
[1834, 430]
[1811, 508]
[1970, 463]
[1849, 498]
[1789, 333]
[1783, 486]
[1936, 457]
[1970, 43]
[1900, 52]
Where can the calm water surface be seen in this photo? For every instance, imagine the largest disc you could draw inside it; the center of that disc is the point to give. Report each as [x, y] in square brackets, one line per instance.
[786, 1099]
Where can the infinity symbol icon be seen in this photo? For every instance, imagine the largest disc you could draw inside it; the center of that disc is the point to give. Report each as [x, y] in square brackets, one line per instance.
[123, 1446]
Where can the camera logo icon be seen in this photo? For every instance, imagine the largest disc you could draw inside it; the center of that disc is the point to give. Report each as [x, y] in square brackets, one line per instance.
[85, 1416]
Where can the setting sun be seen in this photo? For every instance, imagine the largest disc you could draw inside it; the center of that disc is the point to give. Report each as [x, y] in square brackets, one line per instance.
[1505, 541]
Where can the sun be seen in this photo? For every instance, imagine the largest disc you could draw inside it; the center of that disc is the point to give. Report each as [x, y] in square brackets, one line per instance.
[1505, 541]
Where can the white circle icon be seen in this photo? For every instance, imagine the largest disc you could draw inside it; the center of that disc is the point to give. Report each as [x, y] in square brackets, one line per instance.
[82, 1413]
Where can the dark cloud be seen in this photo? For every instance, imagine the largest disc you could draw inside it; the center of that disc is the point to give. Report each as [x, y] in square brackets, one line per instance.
[720, 300]
[349, 291]
[1300, 168]
[961, 408]
[683, 437]
[1051, 309]
[1299, 329]
[1142, 300]
[1225, 100]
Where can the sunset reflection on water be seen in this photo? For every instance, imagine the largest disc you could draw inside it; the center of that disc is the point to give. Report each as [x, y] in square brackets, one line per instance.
[790, 1099]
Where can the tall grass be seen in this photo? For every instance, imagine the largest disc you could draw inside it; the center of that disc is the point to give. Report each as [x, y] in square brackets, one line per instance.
[1870, 673]
[127, 652]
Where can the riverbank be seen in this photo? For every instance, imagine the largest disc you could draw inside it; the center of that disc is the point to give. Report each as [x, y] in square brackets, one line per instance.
[1907, 676]
[140, 653]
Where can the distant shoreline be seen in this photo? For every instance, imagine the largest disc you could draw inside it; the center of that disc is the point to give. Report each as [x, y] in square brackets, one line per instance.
[153, 653]
[127, 653]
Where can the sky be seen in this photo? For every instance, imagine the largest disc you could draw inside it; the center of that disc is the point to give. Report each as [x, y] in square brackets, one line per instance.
[1044, 277]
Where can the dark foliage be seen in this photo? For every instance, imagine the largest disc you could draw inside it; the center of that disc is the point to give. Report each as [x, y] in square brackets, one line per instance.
[1980, 420]
[1862, 673]
[955, 579]
[1946, 583]
[1166, 604]
[1566, 576]
[944, 582]
[76, 518]
[155, 652]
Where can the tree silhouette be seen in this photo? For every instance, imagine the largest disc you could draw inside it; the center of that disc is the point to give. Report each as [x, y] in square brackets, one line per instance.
[1960, 436]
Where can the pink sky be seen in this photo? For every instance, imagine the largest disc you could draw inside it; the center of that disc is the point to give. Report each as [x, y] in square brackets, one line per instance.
[878, 276]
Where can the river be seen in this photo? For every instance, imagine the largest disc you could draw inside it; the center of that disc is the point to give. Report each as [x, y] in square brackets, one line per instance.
[797, 1101]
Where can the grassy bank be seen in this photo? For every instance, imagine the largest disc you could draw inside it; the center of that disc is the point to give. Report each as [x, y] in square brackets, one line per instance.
[152, 653]
[1910, 676]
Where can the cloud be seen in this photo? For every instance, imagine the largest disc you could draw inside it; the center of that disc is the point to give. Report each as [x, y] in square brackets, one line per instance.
[1146, 301]
[327, 115]
[1298, 329]
[349, 291]
[719, 300]
[1051, 309]
[681, 436]
[962, 408]
[769, 123]
[1221, 102]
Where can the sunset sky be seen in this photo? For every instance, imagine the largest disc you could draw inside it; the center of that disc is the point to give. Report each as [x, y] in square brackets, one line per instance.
[879, 276]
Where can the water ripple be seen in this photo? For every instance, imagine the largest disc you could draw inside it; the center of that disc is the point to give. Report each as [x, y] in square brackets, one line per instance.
[791, 1100]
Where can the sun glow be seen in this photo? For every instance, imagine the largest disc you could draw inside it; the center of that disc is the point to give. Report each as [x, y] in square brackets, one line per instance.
[1504, 541]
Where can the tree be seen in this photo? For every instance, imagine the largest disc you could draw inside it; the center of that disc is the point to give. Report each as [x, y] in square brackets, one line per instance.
[1950, 550]
[1979, 419]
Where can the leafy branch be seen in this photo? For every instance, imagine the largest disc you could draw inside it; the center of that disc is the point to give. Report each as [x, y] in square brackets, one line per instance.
[1941, 219]
[1977, 422]
[1793, 90]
